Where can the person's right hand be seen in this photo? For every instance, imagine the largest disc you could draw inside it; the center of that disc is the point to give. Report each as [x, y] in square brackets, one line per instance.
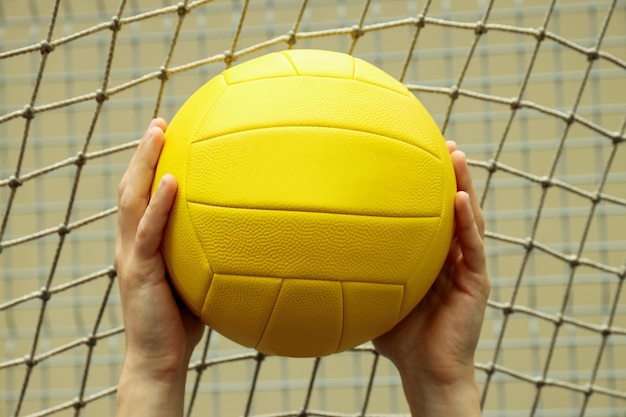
[433, 347]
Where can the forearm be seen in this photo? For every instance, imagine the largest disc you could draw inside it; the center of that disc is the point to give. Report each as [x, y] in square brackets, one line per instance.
[429, 399]
[140, 394]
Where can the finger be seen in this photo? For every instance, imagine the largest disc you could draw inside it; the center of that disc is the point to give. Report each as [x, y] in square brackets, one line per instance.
[468, 235]
[152, 224]
[464, 183]
[120, 241]
[145, 159]
[136, 194]
[124, 181]
[451, 145]
[158, 122]
[161, 123]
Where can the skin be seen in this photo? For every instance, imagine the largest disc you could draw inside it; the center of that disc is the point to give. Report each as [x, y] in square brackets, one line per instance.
[433, 347]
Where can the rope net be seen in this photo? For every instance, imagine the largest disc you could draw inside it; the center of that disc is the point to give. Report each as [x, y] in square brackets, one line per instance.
[532, 91]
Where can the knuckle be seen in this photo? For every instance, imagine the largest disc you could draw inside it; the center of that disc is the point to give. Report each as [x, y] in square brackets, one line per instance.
[123, 184]
[143, 231]
[126, 202]
[118, 264]
[131, 203]
[121, 187]
[486, 288]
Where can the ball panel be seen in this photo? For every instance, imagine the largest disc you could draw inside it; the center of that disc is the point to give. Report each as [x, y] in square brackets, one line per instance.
[369, 310]
[318, 63]
[239, 306]
[186, 262]
[354, 105]
[368, 73]
[435, 254]
[312, 63]
[316, 246]
[306, 321]
[317, 169]
[267, 66]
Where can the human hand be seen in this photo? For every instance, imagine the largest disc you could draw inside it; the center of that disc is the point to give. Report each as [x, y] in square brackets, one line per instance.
[161, 333]
[433, 347]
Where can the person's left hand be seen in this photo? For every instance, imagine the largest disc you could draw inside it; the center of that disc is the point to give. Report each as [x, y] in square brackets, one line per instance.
[161, 332]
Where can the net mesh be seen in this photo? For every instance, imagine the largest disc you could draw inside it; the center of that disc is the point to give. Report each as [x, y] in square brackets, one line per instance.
[532, 91]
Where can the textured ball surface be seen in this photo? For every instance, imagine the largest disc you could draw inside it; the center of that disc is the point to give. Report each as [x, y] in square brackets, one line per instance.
[314, 206]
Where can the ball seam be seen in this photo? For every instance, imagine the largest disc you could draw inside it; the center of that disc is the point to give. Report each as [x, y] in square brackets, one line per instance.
[304, 210]
[275, 126]
[269, 316]
[282, 278]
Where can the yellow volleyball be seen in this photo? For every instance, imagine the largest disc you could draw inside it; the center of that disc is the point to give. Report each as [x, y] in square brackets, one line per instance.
[314, 206]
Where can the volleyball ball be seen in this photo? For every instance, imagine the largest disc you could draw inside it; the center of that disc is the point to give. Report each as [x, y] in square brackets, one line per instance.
[314, 206]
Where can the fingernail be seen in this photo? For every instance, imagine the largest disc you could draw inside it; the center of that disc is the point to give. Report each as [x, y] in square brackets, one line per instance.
[161, 182]
[149, 135]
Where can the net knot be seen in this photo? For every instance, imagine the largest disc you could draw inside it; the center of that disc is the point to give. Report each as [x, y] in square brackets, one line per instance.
[593, 54]
[540, 34]
[617, 139]
[490, 369]
[559, 320]
[545, 182]
[540, 382]
[181, 9]
[454, 92]
[62, 229]
[80, 159]
[515, 103]
[574, 261]
[228, 57]
[606, 331]
[421, 21]
[44, 294]
[493, 166]
[78, 404]
[163, 75]
[27, 112]
[291, 38]
[45, 47]
[15, 182]
[480, 28]
[356, 32]
[571, 118]
[596, 197]
[112, 272]
[91, 340]
[30, 361]
[260, 357]
[508, 310]
[115, 24]
[101, 96]
[529, 244]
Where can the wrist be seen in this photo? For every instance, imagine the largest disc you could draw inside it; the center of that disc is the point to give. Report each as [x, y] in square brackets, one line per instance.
[431, 396]
[146, 391]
